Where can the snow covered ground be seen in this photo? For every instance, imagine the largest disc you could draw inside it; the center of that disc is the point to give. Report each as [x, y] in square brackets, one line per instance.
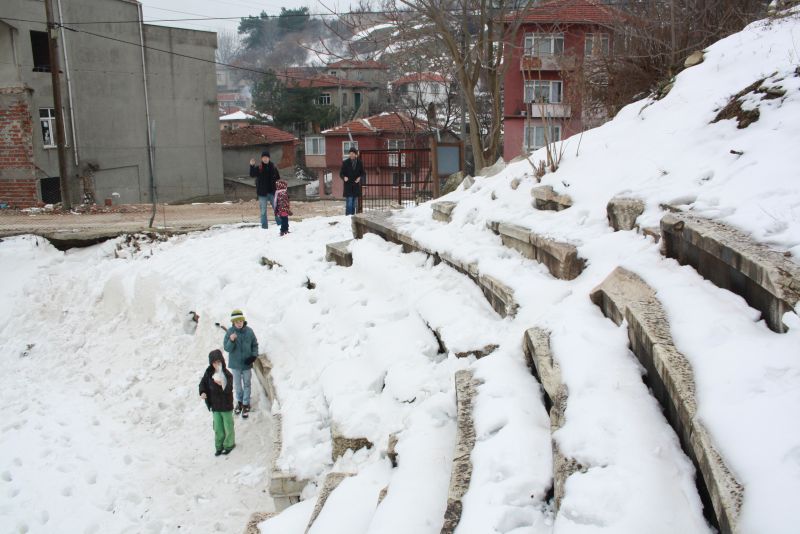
[104, 431]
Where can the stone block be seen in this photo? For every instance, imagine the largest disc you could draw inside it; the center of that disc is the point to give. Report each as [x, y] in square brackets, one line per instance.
[255, 519]
[695, 58]
[492, 170]
[391, 449]
[461, 473]
[478, 353]
[332, 481]
[623, 212]
[767, 279]
[339, 253]
[624, 296]
[443, 210]
[560, 258]
[452, 182]
[545, 198]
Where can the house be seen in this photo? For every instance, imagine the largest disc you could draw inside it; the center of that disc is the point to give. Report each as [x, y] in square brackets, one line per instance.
[351, 97]
[233, 101]
[240, 119]
[556, 41]
[370, 71]
[121, 103]
[241, 144]
[404, 158]
[417, 90]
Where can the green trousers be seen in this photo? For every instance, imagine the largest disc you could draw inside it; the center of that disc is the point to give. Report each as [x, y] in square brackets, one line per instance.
[223, 430]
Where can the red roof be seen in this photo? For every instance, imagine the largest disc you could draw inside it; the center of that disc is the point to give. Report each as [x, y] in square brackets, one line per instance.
[420, 77]
[569, 12]
[378, 124]
[352, 64]
[255, 135]
[322, 81]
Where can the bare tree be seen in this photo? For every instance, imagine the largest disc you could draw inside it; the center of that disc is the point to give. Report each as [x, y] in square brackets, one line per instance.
[229, 46]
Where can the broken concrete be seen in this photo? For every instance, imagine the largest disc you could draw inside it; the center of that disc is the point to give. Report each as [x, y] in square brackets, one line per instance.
[560, 258]
[391, 449]
[767, 279]
[332, 481]
[540, 360]
[499, 295]
[339, 253]
[545, 198]
[466, 389]
[255, 519]
[492, 170]
[624, 296]
[268, 263]
[342, 443]
[478, 353]
[443, 210]
[452, 182]
[623, 212]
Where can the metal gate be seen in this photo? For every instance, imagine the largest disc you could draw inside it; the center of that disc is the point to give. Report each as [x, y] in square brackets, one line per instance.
[396, 178]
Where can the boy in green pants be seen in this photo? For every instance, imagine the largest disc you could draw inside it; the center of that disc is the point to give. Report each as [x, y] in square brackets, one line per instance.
[216, 388]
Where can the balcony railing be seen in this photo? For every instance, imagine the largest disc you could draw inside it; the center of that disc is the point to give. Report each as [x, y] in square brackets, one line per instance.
[547, 62]
[538, 111]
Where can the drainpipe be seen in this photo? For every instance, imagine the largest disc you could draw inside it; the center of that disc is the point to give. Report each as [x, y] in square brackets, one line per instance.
[147, 116]
[69, 89]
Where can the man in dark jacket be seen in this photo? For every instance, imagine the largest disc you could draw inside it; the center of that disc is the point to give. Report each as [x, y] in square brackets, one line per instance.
[242, 346]
[216, 387]
[353, 175]
[266, 174]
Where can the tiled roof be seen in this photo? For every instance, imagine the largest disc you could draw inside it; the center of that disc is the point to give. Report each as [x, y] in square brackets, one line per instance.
[569, 12]
[321, 81]
[352, 64]
[377, 124]
[420, 77]
[255, 135]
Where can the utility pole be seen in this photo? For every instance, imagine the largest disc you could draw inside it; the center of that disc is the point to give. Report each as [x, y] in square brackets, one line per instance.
[52, 40]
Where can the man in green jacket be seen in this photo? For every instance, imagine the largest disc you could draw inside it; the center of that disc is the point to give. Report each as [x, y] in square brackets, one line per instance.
[242, 347]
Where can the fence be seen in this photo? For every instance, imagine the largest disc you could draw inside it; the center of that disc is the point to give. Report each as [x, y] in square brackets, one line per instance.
[396, 178]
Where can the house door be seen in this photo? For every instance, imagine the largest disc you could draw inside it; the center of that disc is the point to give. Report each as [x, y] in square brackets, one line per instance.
[356, 101]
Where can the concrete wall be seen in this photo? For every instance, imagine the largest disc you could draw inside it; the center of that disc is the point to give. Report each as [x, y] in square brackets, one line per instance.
[236, 160]
[108, 105]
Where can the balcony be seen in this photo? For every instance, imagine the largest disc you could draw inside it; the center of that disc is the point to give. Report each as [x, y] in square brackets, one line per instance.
[538, 111]
[547, 62]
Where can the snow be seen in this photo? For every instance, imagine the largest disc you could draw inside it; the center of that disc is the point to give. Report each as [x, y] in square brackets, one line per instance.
[105, 432]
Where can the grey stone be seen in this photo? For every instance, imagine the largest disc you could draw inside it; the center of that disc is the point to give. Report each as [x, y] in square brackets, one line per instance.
[695, 58]
[515, 183]
[478, 353]
[623, 212]
[255, 519]
[461, 472]
[332, 481]
[652, 232]
[560, 258]
[342, 443]
[268, 263]
[542, 364]
[731, 259]
[492, 170]
[624, 296]
[382, 494]
[443, 210]
[452, 182]
[339, 253]
[545, 198]
[391, 449]
[499, 295]
[467, 182]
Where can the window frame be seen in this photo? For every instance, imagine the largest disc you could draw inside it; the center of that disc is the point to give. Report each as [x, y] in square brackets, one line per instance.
[529, 91]
[320, 141]
[531, 48]
[346, 148]
[530, 139]
[402, 180]
[321, 99]
[394, 160]
[50, 120]
[40, 49]
[591, 42]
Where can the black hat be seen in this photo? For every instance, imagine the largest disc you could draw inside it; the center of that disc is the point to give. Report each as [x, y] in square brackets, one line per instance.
[214, 356]
[353, 149]
[264, 153]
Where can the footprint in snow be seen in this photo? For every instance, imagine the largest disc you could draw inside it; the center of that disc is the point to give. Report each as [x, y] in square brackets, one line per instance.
[6, 475]
[66, 491]
[44, 517]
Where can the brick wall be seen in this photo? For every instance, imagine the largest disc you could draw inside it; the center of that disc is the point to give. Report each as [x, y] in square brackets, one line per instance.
[18, 185]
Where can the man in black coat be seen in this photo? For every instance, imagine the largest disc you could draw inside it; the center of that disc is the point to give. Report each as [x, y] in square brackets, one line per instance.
[266, 174]
[216, 388]
[353, 175]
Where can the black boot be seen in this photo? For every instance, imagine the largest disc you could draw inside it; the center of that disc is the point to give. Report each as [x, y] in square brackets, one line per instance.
[245, 411]
[238, 408]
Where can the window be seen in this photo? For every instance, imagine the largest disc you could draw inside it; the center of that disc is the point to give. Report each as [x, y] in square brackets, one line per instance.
[543, 91]
[535, 136]
[41, 51]
[396, 159]
[344, 99]
[346, 147]
[435, 88]
[401, 179]
[324, 99]
[333, 73]
[544, 44]
[596, 44]
[315, 146]
[47, 118]
[403, 89]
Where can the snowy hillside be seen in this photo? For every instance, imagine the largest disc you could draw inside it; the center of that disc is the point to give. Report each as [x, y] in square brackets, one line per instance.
[105, 431]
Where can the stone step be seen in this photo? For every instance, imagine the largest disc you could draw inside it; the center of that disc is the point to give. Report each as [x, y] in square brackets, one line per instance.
[284, 488]
[332, 481]
[540, 360]
[339, 253]
[624, 296]
[545, 198]
[499, 295]
[443, 210]
[767, 279]
[341, 443]
[560, 258]
[465, 441]
[255, 519]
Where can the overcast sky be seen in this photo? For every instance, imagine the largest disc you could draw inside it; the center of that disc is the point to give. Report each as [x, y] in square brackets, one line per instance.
[177, 9]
